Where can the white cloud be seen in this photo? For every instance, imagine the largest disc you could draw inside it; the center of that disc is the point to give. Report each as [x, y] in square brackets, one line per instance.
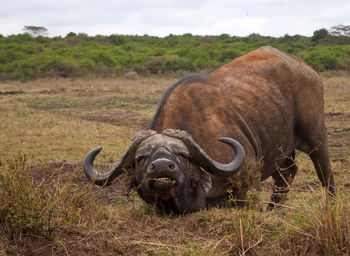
[162, 17]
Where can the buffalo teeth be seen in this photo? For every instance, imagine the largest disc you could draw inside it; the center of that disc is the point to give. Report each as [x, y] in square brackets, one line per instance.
[164, 179]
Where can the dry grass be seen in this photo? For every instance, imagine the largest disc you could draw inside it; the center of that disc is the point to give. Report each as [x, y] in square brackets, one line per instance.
[55, 119]
[47, 207]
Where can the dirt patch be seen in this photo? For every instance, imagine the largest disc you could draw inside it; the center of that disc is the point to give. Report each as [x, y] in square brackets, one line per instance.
[124, 110]
[32, 245]
[48, 92]
[332, 114]
[75, 245]
[11, 92]
[121, 118]
[338, 125]
[65, 172]
[339, 138]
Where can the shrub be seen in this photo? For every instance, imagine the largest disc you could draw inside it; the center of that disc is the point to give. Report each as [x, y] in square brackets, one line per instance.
[175, 63]
[24, 70]
[75, 54]
[320, 34]
[322, 59]
[155, 65]
[228, 55]
[207, 39]
[131, 75]
[41, 207]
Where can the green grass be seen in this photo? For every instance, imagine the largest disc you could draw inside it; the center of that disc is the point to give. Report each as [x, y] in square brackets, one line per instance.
[48, 207]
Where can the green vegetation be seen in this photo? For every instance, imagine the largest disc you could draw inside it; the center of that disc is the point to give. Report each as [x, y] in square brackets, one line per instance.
[31, 55]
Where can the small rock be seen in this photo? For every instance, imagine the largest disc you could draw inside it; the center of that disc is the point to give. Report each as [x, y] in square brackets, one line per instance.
[131, 75]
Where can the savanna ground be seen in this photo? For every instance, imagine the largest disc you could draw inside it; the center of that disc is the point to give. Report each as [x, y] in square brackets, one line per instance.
[47, 206]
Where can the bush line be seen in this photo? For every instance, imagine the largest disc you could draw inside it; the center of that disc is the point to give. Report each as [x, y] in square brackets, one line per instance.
[24, 57]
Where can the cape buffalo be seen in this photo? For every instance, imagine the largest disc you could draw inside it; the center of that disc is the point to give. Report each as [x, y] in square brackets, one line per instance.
[261, 106]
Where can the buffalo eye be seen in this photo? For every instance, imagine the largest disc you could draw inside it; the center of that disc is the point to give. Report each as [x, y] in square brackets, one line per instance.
[139, 159]
[182, 155]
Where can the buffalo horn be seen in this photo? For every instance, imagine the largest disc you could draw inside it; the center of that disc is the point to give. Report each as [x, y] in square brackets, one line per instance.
[127, 159]
[204, 160]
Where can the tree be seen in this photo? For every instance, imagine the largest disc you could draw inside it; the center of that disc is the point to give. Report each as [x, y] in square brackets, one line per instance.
[340, 30]
[224, 36]
[319, 34]
[35, 30]
[207, 39]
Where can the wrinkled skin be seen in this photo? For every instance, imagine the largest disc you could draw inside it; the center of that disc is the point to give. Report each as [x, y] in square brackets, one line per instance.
[269, 101]
[169, 180]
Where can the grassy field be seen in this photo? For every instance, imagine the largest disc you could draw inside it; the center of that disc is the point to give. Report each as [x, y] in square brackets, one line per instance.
[47, 206]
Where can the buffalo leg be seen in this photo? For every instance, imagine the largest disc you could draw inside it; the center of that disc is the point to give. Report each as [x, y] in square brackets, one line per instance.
[312, 139]
[283, 177]
[320, 159]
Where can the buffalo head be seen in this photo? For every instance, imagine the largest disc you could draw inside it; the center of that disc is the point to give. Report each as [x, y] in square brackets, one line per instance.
[169, 170]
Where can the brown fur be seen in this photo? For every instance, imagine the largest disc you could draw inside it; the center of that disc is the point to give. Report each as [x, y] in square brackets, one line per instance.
[269, 101]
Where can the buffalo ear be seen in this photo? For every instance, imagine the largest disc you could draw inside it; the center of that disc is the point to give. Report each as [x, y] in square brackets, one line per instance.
[128, 167]
[200, 177]
[205, 181]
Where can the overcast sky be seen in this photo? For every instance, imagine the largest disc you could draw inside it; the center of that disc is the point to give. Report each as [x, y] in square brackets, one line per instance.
[164, 17]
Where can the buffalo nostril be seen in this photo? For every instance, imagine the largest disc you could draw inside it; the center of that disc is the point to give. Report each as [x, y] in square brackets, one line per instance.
[163, 164]
[171, 165]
